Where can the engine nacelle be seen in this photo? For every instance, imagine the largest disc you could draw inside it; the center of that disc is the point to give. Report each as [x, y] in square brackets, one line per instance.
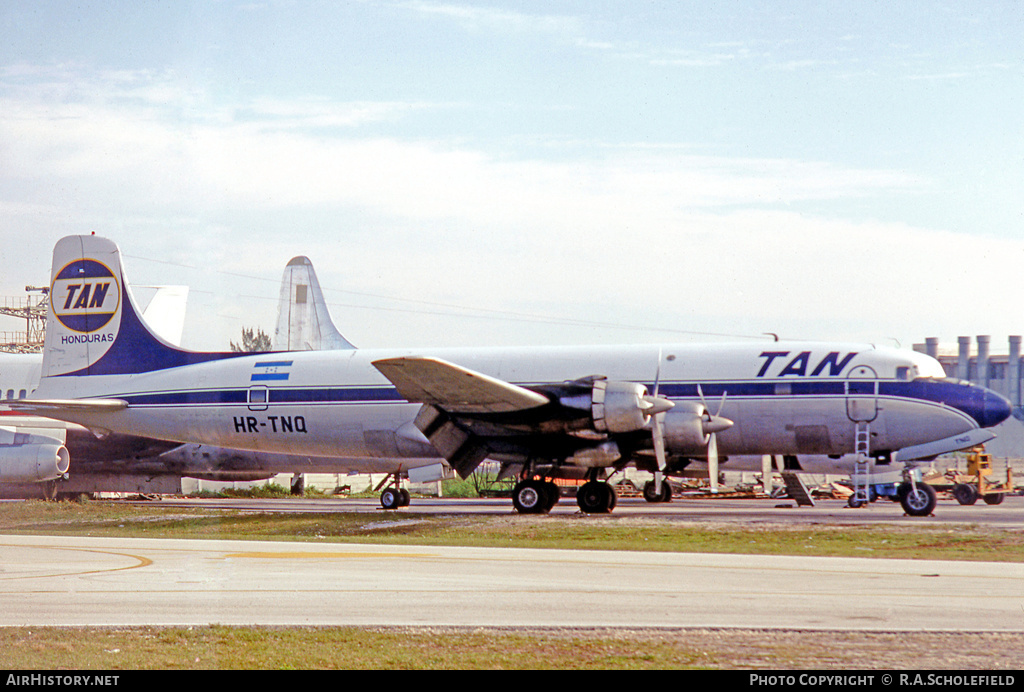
[600, 456]
[684, 428]
[30, 463]
[619, 407]
[688, 427]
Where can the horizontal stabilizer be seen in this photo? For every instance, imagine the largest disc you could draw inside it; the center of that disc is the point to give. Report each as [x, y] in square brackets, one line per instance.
[453, 388]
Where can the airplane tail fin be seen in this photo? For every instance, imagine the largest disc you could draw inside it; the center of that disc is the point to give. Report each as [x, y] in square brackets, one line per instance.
[94, 326]
[303, 321]
[165, 311]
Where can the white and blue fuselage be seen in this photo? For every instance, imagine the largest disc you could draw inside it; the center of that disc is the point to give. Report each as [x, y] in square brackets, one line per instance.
[338, 404]
[105, 369]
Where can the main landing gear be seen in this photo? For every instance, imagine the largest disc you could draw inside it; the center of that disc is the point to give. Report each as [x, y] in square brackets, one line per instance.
[536, 496]
[394, 496]
[596, 497]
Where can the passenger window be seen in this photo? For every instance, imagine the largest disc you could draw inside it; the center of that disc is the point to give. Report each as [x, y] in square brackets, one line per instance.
[10, 393]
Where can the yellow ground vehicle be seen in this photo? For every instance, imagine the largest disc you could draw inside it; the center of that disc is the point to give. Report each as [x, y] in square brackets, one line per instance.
[967, 488]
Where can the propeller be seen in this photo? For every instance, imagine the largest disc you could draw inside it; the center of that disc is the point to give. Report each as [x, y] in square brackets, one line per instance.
[658, 434]
[712, 425]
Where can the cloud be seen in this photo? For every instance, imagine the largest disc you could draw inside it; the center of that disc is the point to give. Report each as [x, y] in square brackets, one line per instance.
[495, 19]
[637, 235]
[272, 154]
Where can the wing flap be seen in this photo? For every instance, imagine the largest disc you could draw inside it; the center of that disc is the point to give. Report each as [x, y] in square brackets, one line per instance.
[463, 450]
[453, 388]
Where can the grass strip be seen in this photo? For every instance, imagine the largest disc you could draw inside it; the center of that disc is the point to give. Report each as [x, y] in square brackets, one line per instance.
[963, 542]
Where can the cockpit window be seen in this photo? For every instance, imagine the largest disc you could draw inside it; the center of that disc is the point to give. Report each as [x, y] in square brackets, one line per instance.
[903, 373]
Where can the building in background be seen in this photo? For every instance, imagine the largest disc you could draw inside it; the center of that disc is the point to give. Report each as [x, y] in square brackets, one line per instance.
[998, 370]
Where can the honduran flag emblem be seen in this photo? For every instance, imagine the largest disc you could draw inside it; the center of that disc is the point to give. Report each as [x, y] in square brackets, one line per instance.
[270, 371]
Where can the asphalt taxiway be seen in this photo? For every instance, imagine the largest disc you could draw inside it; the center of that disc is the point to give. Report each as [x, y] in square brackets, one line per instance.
[71, 581]
[1010, 514]
[50, 580]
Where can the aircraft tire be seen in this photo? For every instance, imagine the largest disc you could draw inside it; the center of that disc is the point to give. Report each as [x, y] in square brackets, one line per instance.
[406, 497]
[391, 498]
[554, 494]
[530, 497]
[650, 494]
[595, 497]
[965, 494]
[919, 501]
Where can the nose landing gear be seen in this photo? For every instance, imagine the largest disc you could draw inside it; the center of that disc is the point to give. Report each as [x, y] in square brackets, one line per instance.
[917, 499]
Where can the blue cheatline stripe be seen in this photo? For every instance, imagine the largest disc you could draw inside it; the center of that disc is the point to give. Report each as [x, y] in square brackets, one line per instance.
[276, 396]
[750, 389]
[269, 376]
[969, 401]
[327, 396]
[953, 395]
[228, 396]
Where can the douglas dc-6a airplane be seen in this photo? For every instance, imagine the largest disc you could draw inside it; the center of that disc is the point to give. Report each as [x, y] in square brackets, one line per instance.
[546, 412]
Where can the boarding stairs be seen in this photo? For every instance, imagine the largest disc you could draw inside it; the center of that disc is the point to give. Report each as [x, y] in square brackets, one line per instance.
[861, 464]
[796, 490]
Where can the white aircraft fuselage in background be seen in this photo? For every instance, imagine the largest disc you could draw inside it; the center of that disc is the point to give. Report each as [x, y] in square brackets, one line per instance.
[551, 411]
[35, 450]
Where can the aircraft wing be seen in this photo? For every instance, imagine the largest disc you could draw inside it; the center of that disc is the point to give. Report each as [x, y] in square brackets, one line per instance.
[469, 416]
[464, 412]
[455, 389]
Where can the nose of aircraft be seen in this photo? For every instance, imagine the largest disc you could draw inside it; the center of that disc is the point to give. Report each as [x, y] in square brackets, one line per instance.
[993, 410]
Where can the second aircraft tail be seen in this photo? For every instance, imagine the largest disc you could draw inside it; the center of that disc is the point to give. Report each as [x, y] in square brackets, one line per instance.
[303, 321]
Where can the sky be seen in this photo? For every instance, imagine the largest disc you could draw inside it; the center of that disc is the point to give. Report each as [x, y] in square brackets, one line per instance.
[508, 173]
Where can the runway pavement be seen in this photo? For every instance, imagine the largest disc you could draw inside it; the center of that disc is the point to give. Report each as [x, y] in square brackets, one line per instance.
[1010, 514]
[117, 582]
